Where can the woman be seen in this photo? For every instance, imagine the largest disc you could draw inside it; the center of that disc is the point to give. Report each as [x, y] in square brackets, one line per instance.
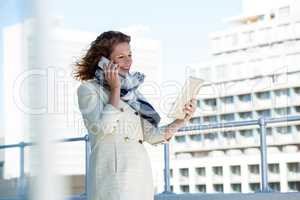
[119, 119]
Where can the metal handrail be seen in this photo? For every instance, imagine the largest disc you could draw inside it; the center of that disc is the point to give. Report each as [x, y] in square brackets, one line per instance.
[21, 191]
[261, 122]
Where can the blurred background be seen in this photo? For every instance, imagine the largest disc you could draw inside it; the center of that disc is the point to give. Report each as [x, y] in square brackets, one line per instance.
[247, 51]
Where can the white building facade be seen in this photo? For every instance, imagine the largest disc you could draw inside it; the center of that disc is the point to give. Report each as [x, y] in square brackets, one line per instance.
[254, 72]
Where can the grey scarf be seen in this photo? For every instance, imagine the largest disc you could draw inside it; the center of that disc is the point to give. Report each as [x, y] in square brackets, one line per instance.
[131, 95]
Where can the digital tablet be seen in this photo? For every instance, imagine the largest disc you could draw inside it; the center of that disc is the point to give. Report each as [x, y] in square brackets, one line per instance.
[189, 90]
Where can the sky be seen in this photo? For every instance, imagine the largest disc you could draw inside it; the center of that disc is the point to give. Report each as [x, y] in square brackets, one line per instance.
[181, 26]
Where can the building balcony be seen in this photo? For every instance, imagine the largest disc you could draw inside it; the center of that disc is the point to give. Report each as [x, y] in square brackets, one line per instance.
[274, 177]
[296, 98]
[217, 179]
[244, 107]
[228, 108]
[253, 178]
[293, 176]
[183, 180]
[284, 139]
[262, 104]
[200, 180]
[235, 179]
[281, 102]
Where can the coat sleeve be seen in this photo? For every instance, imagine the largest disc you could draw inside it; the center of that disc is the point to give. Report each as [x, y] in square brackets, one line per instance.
[153, 135]
[100, 118]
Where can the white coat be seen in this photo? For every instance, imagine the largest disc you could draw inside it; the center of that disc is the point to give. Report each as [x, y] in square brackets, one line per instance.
[120, 167]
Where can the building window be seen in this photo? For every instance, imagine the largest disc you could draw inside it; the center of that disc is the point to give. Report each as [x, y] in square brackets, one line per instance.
[254, 187]
[184, 172]
[297, 109]
[294, 167]
[180, 138]
[294, 186]
[247, 133]
[198, 103]
[282, 93]
[218, 171]
[227, 100]
[211, 136]
[171, 173]
[197, 137]
[185, 188]
[275, 186]
[284, 129]
[284, 11]
[172, 188]
[218, 187]
[249, 36]
[235, 170]
[272, 15]
[264, 113]
[245, 98]
[274, 168]
[227, 117]
[269, 131]
[253, 169]
[283, 111]
[245, 115]
[210, 119]
[236, 187]
[263, 95]
[201, 188]
[195, 120]
[200, 171]
[211, 103]
[297, 90]
[1, 170]
[229, 134]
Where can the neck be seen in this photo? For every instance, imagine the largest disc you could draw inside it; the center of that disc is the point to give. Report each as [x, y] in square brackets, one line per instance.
[123, 72]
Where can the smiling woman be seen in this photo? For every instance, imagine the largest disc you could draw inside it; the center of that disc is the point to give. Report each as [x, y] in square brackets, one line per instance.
[119, 119]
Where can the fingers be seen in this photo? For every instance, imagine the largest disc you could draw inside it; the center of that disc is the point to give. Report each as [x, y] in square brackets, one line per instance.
[190, 108]
[111, 71]
[191, 105]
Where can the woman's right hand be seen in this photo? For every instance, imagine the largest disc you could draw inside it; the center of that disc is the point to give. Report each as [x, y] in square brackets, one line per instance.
[112, 76]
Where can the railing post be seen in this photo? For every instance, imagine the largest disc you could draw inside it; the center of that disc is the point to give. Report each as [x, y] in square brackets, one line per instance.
[167, 169]
[263, 155]
[21, 180]
[87, 164]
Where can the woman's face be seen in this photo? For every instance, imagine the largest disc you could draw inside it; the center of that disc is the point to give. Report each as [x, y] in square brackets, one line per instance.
[121, 55]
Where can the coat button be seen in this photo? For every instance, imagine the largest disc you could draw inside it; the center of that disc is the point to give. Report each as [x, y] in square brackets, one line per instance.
[126, 139]
[122, 109]
[136, 113]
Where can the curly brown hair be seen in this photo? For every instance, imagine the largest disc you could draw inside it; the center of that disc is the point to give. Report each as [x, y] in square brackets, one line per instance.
[104, 44]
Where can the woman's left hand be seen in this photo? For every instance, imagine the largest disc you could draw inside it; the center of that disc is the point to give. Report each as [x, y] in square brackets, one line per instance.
[189, 109]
